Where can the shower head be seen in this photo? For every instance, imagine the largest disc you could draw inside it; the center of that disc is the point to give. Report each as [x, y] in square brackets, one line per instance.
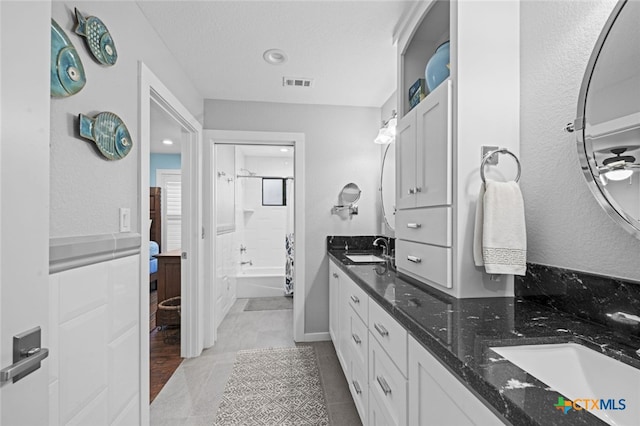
[249, 172]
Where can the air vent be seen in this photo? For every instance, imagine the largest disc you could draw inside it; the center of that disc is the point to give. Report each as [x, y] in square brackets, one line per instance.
[297, 82]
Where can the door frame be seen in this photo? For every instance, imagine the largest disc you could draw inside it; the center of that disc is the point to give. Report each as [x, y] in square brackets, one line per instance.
[191, 330]
[237, 137]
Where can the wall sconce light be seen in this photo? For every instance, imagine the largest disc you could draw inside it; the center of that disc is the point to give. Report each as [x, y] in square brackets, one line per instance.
[387, 133]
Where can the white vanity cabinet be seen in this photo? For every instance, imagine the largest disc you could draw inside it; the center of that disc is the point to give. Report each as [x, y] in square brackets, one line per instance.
[334, 297]
[437, 397]
[439, 141]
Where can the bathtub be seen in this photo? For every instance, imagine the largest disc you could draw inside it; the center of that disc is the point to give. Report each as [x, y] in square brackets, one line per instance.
[260, 282]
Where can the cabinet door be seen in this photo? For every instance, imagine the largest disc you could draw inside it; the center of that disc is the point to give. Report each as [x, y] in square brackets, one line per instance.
[436, 397]
[334, 298]
[406, 161]
[433, 148]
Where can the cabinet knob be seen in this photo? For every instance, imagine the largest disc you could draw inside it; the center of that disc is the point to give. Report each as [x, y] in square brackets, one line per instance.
[414, 225]
[418, 189]
[356, 338]
[383, 385]
[414, 259]
[411, 191]
[356, 386]
[335, 275]
[380, 328]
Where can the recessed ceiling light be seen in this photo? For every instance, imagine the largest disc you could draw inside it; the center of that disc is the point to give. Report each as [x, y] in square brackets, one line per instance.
[275, 56]
[167, 141]
[284, 150]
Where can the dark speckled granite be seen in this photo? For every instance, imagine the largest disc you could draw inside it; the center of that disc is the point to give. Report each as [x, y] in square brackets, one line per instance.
[460, 332]
[586, 296]
[358, 243]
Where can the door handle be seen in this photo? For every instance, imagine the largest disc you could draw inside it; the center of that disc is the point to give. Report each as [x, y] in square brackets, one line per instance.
[414, 225]
[31, 359]
[356, 386]
[414, 259]
[355, 299]
[356, 339]
[384, 385]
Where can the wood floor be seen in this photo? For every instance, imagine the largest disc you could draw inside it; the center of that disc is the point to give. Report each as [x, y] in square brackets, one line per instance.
[164, 359]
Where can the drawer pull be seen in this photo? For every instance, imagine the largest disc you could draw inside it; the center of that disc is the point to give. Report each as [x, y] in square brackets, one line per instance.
[414, 259]
[383, 385]
[355, 299]
[380, 328]
[414, 225]
[356, 386]
[356, 338]
[335, 275]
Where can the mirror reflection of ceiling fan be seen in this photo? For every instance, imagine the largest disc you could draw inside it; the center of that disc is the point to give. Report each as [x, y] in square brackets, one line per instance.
[618, 167]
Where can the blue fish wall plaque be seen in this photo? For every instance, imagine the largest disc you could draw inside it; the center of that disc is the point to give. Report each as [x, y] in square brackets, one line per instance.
[109, 133]
[67, 72]
[98, 39]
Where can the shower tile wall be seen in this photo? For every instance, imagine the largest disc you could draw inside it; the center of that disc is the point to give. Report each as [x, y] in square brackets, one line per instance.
[264, 227]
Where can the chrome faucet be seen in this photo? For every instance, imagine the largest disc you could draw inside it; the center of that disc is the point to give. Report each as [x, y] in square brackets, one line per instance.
[385, 246]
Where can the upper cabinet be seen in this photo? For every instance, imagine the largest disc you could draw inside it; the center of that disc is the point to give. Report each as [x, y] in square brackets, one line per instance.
[439, 140]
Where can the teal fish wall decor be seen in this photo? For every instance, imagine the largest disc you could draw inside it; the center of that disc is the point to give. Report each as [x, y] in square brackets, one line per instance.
[109, 133]
[67, 72]
[98, 39]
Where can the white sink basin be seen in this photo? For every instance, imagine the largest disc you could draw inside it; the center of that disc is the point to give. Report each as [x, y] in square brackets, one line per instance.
[364, 258]
[580, 373]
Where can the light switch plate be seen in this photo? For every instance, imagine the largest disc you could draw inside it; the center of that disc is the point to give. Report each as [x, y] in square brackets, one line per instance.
[125, 219]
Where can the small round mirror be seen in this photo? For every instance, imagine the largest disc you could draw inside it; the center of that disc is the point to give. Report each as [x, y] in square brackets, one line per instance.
[350, 194]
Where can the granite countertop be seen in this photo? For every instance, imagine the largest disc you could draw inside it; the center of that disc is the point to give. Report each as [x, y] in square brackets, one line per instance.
[460, 333]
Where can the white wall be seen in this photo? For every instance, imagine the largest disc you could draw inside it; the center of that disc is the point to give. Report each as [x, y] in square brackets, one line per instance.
[566, 227]
[339, 149]
[264, 226]
[86, 189]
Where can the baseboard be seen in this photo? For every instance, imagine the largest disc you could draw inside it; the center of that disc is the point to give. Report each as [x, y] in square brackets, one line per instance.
[317, 337]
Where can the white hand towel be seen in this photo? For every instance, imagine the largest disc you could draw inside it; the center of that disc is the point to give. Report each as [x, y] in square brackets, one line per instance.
[504, 238]
[477, 230]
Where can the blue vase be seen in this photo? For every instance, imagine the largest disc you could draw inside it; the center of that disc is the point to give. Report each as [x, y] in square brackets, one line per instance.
[437, 69]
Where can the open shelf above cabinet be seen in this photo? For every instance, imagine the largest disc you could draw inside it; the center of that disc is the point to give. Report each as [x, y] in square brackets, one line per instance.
[423, 42]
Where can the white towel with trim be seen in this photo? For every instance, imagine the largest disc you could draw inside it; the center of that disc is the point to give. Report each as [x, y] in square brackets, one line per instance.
[500, 237]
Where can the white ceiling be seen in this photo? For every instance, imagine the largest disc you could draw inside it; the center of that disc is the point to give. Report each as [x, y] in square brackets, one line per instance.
[163, 126]
[265, 151]
[345, 46]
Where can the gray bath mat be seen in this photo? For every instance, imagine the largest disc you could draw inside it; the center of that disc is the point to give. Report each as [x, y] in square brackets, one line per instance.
[269, 304]
[274, 387]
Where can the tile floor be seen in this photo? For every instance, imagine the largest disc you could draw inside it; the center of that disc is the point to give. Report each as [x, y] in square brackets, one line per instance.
[192, 395]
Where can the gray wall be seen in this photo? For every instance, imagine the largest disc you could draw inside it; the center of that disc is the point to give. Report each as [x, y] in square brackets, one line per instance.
[566, 227]
[339, 149]
[86, 189]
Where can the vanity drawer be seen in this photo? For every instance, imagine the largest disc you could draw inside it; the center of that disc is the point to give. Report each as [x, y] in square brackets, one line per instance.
[430, 225]
[357, 298]
[358, 338]
[425, 261]
[359, 387]
[390, 335]
[387, 386]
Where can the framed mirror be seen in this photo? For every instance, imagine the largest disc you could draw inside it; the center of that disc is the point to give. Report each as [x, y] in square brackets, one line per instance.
[388, 187]
[608, 117]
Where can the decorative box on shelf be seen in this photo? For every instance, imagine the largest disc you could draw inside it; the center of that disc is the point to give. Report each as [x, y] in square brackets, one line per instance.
[417, 92]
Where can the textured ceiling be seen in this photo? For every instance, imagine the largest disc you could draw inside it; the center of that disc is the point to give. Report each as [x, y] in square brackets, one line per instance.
[345, 46]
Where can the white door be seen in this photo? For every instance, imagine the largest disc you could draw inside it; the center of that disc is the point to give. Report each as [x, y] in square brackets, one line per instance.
[24, 200]
[171, 183]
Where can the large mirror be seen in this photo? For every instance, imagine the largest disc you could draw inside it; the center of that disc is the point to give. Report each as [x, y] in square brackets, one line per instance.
[608, 119]
[388, 187]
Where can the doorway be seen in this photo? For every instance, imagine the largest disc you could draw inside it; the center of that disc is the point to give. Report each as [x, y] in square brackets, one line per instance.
[154, 94]
[241, 140]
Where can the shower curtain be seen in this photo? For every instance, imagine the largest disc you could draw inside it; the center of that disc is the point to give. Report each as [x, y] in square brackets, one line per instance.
[289, 242]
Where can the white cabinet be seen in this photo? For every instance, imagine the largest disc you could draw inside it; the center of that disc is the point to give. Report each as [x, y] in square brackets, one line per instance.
[424, 152]
[334, 297]
[439, 141]
[387, 385]
[437, 397]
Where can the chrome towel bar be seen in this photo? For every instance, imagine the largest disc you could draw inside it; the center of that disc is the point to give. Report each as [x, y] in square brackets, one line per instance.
[489, 155]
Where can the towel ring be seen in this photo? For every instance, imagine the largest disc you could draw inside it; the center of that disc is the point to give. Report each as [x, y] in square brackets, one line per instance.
[498, 151]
